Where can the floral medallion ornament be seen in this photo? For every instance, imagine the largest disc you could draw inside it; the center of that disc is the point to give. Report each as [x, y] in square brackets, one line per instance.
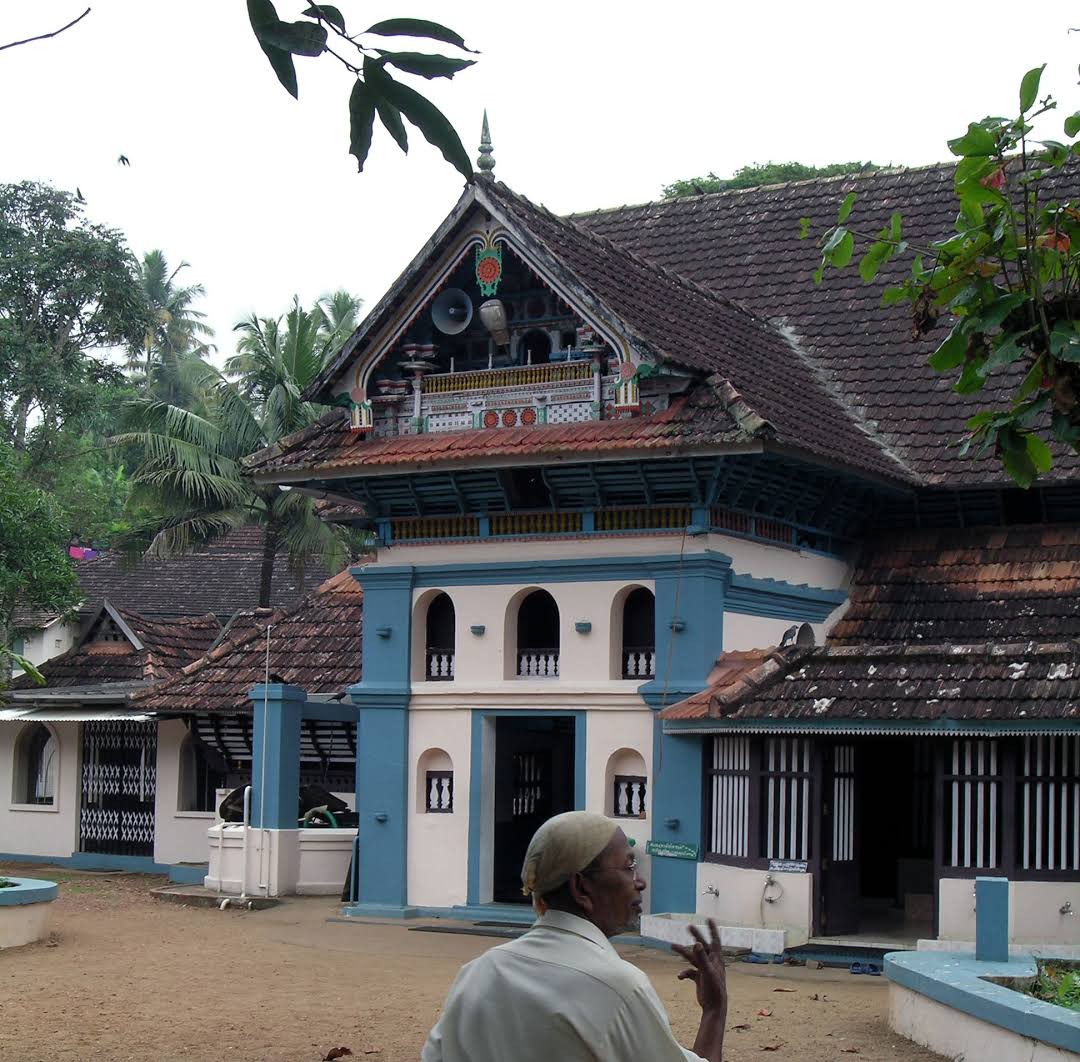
[528, 416]
[489, 269]
[509, 418]
[491, 419]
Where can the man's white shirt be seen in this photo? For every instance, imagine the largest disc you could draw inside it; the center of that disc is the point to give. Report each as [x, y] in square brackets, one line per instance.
[560, 993]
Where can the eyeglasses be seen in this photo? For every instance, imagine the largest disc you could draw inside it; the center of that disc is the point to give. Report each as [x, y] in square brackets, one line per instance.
[628, 868]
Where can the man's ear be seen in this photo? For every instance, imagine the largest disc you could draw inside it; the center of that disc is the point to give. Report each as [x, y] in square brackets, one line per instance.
[581, 893]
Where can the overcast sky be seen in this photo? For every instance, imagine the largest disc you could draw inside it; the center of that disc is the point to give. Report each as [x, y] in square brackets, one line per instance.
[591, 104]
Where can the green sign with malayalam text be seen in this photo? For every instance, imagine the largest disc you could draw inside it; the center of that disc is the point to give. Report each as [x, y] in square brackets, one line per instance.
[672, 849]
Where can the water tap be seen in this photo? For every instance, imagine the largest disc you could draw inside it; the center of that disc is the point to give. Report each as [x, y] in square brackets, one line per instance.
[711, 890]
[1066, 908]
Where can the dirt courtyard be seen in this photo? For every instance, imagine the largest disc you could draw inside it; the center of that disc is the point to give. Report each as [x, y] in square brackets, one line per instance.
[128, 977]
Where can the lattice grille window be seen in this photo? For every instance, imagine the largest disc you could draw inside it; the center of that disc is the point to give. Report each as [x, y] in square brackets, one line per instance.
[569, 413]
[1049, 794]
[786, 784]
[729, 833]
[972, 804]
[440, 792]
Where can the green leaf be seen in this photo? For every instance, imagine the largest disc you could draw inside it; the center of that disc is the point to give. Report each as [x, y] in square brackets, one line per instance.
[804, 228]
[1029, 88]
[1056, 153]
[1039, 453]
[843, 251]
[971, 379]
[431, 122]
[418, 27]
[425, 65]
[299, 38]
[1032, 381]
[976, 141]
[361, 121]
[1065, 341]
[991, 316]
[950, 353]
[263, 16]
[833, 241]
[845, 208]
[377, 78]
[328, 12]
[878, 254]
[1072, 124]
[1019, 466]
[1006, 350]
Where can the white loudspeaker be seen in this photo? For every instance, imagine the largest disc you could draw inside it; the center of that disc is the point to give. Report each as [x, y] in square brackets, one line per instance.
[452, 311]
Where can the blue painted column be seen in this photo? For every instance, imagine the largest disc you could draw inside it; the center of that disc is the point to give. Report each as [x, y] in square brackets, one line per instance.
[689, 638]
[275, 765]
[992, 919]
[382, 740]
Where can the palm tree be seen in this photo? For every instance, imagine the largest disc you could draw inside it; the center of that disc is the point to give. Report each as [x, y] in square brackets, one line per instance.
[178, 332]
[191, 467]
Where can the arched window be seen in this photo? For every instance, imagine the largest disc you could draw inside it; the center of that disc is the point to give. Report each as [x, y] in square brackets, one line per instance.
[441, 640]
[627, 785]
[36, 762]
[639, 635]
[538, 636]
[202, 774]
[435, 781]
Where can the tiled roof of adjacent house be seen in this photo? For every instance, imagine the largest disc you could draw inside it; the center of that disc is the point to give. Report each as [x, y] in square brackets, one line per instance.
[164, 648]
[968, 625]
[219, 578]
[745, 245]
[315, 644]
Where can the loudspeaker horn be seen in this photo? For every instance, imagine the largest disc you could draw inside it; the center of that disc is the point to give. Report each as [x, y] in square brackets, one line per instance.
[452, 311]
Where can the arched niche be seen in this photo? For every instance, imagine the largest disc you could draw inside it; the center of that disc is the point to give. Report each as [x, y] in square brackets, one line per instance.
[37, 765]
[435, 782]
[626, 785]
[633, 634]
[434, 649]
[532, 635]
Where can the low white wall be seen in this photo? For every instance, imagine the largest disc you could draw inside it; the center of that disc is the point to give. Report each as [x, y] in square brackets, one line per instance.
[438, 843]
[740, 903]
[279, 862]
[955, 1034]
[1034, 911]
[24, 923]
[41, 829]
[179, 836]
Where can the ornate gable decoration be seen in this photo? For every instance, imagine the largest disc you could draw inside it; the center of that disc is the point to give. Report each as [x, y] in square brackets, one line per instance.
[490, 339]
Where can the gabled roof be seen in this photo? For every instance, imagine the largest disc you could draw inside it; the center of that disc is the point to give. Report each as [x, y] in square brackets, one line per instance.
[963, 625]
[121, 646]
[745, 245]
[315, 644]
[754, 383]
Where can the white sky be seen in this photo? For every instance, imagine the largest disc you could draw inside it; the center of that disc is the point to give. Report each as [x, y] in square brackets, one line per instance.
[591, 104]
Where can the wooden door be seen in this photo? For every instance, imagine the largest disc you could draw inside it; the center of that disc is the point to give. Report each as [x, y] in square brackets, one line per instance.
[839, 909]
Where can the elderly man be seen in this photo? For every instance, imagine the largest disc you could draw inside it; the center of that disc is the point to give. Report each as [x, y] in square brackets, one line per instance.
[560, 993]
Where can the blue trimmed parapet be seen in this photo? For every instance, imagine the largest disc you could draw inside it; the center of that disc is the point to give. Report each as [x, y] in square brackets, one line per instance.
[964, 984]
[28, 890]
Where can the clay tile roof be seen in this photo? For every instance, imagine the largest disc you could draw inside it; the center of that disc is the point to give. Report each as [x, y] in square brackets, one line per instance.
[971, 625]
[219, 578]
[745, 245]
[315, 644]
[165, 648]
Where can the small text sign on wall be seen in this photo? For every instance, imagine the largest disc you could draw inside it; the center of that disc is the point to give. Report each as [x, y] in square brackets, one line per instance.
[793, 866]
[671, 849]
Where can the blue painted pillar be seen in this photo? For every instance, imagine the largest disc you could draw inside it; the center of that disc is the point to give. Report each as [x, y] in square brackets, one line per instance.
[275, 765]
[689, 638]
[992, 919]
[382, 740]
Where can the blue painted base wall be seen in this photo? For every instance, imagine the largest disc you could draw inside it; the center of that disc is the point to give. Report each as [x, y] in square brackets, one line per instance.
[92, 861]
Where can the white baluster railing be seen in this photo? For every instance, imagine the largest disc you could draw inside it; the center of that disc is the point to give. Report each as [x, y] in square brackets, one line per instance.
[440, 665]
[639, 663]
[538, 663]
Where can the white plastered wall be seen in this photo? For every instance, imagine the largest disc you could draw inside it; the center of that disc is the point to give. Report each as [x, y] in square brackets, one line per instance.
[1034, 911]
[179, 836]
[438, 844]
[41, 645]
[741, 899]
[46, 829]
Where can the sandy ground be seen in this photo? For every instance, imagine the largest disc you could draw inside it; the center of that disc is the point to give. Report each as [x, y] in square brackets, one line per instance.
[128, 977]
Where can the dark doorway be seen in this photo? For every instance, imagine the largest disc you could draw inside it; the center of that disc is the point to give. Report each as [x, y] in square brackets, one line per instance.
[534, 779]
[441, 640]
[119, 784]
[877, 826]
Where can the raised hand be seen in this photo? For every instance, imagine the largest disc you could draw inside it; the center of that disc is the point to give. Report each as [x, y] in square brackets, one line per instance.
[706, 968]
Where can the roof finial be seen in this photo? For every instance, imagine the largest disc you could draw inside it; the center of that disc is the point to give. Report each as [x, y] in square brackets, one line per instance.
[486, 160]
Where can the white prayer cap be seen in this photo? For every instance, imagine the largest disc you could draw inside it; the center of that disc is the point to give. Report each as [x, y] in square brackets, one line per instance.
[561, 847]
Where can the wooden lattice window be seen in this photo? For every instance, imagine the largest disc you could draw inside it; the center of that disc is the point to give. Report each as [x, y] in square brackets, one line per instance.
[1049, 803]
[629, 796]
[972, 791]
[439, 788]
[785, 777]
